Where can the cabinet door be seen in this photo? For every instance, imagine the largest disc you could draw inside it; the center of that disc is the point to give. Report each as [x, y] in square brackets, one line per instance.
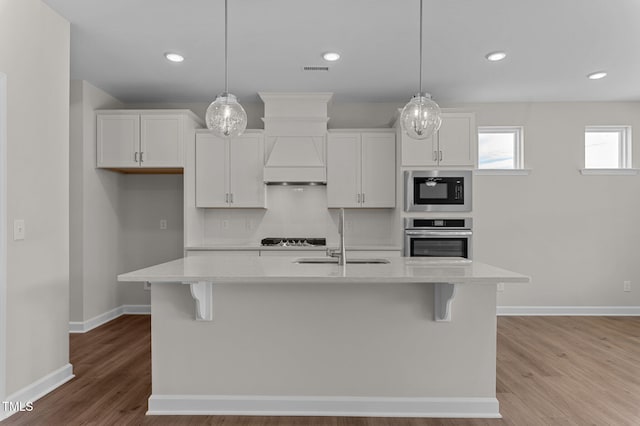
[418, 152]
[343, 170]
[161, 141]
[378, 170]
[211, 171]
[456, 138]
[192, 253]
[293, 253]
[118, 140]
[246, 171]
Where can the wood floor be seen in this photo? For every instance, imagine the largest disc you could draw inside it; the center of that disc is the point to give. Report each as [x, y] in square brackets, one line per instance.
[551, 371]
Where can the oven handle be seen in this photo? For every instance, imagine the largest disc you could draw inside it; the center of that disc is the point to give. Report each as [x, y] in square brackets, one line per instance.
[421, 233]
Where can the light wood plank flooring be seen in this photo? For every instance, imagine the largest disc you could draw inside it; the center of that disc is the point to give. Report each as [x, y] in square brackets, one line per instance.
[551, 371]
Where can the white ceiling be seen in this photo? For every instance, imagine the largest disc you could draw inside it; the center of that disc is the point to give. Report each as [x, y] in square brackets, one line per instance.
[118, 45]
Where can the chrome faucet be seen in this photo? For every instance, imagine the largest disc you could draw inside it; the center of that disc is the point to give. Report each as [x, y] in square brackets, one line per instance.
[341, 252]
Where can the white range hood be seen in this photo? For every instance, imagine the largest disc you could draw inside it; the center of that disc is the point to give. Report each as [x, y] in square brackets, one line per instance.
[295, 126]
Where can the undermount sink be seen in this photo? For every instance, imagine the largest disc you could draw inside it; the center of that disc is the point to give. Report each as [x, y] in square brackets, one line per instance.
[334, 260]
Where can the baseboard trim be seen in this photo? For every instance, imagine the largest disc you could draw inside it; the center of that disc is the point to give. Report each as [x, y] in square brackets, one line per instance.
[39, 388]
[247, 405]
[568, 310]
[97, 321]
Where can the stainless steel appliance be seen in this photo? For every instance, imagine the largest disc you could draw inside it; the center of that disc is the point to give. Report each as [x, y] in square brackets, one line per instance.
[450, 237]
[437, 191]
[293, 242]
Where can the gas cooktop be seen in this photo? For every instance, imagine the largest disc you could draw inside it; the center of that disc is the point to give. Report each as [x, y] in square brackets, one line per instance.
[293, 242]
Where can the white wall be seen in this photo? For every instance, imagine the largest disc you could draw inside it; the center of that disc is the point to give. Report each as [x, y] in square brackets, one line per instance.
[34, 42]
[144, 201]
[95, 233]
[577, 236]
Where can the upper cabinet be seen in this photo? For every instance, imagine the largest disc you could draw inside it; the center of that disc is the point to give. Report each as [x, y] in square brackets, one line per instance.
[229, 172]
[453, 145]
[361, 169]
[139, 140]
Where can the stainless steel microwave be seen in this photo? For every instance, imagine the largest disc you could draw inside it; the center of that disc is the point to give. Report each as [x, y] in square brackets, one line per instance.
[437, 191]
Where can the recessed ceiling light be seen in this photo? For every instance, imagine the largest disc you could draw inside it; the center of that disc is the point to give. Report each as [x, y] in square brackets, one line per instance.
[331, 56]
[496, 56]
[174, 57]
[597, 75]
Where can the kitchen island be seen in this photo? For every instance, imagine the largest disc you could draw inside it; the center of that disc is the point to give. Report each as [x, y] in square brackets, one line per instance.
[271, 336]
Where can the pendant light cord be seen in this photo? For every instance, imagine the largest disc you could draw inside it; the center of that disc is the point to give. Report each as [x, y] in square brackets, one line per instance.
[420, 79]
[226, 66]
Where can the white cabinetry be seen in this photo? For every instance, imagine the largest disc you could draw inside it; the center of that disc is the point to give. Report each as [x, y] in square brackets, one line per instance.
[143, 139]
[192, 253]
[453, 145]
[361, 169]
[229, 172]
[293, 253]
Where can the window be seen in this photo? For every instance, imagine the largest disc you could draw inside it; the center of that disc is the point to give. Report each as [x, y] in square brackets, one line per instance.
[500, 148]
[607, 147]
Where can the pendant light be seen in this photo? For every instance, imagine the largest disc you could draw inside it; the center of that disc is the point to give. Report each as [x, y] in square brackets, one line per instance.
[225, 116]
[420, 118]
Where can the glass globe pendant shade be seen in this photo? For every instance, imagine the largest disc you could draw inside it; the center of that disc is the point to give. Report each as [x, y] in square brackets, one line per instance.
[420, 118]
[225, 116]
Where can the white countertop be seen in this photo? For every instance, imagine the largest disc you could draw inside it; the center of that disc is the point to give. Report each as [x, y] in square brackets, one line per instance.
[226, 269]
[233, 247]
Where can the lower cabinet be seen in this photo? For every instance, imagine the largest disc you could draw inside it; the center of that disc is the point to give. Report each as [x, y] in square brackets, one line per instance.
[364, 254]
[191, 253]
[293, 253]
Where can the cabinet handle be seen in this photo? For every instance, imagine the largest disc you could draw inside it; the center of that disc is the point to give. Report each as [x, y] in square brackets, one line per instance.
[363, 198]
[226, 197]
[435, 155]
[440, 159]
[231, 197]
[135, 156]
[142, 157]
[358, 198]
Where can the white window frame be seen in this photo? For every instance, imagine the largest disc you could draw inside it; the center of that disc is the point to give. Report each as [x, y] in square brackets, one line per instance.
[624, 148]
[518, 150]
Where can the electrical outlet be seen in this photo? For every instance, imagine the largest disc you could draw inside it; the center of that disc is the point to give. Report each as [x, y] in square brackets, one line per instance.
[163, 223]
[225, 224]
[500, 287]
[19, 230]
[626, 286]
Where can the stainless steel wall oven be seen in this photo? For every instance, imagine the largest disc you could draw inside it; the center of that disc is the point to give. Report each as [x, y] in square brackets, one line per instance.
[437, 191]
[450, 237]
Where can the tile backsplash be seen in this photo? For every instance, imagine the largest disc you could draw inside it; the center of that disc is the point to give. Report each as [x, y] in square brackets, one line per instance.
[297, 211]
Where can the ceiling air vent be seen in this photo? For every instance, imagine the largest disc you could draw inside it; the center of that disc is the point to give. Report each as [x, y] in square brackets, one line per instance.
[313, 68]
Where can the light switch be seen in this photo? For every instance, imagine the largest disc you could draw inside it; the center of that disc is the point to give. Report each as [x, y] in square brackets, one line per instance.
[18, 230]
[163, 223]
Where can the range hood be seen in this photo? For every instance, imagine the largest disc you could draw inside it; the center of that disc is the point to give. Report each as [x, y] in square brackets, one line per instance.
[296, 159]
[295, 127]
